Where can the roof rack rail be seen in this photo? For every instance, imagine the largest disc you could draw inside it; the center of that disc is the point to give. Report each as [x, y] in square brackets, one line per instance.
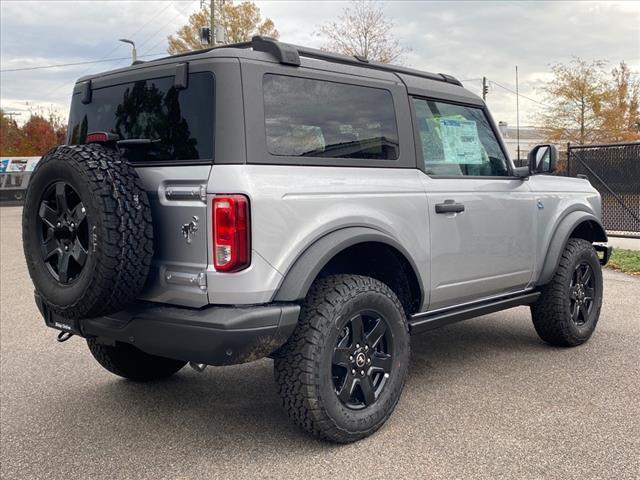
[290, 55]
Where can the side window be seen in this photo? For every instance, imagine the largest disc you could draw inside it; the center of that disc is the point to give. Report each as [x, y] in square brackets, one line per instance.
[315, 118]
[457, 140]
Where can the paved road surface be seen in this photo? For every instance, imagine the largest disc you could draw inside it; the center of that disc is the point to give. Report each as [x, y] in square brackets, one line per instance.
[485, 399]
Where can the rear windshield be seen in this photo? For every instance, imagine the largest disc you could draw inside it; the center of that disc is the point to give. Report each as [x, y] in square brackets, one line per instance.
[315, 118]
[178, 121]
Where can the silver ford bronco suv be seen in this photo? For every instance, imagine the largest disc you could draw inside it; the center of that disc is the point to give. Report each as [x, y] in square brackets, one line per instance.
[265, 199]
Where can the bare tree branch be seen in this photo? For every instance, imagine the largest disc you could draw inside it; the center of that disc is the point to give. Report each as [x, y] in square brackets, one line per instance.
[363, 29]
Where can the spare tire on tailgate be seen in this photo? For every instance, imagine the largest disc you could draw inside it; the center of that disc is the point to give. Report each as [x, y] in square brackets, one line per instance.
[87, 231]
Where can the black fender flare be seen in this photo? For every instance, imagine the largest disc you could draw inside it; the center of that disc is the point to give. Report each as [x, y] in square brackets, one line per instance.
[307, 266]
[560, 237]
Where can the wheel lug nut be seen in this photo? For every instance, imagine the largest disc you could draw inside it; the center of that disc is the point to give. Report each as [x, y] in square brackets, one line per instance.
[353, 372]
[357, 345]
[350, 358]
[66, 248]
[58, 224]
[366, 347]
[368, 360]
[362, 372]
[386, 375]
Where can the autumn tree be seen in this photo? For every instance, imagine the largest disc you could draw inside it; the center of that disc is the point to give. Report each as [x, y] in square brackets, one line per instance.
[576, 94]
[365, 30]
[589, 105]
[41, 132]
[239, 22]
[620, 114]
[10, 136]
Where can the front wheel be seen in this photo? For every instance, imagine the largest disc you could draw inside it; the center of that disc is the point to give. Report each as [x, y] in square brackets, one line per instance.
[567, 311]
[341, 373]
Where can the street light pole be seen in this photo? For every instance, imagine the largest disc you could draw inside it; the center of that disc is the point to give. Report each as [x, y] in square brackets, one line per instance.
[134, 54]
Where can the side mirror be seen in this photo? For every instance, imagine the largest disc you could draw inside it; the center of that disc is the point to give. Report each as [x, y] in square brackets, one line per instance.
[543, 159]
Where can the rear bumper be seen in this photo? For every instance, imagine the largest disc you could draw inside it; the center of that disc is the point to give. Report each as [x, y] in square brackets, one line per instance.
[212, 335]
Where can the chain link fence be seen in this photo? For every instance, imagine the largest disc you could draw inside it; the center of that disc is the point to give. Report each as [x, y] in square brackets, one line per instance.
[614, 170]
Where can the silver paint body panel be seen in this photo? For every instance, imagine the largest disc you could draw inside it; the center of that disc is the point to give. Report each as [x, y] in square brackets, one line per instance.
[497, 245]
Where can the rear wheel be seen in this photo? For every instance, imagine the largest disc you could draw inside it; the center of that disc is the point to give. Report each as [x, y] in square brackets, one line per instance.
[568, 309]
[341, 373]
[129, 362]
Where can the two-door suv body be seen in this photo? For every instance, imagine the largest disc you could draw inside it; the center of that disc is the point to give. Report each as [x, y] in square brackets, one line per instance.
[264, 199]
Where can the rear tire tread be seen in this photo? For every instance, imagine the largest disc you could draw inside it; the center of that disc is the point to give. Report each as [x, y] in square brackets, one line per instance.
[296, 366]
[128, 362]
[125, 252]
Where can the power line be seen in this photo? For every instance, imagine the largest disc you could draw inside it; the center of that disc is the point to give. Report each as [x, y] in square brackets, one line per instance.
[163, 39]
[84, 72]
[138, 30]
[62, 65]
[156, 32]
[519, 94]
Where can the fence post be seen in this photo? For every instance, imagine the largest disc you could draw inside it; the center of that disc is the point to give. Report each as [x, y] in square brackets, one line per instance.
[568, 159]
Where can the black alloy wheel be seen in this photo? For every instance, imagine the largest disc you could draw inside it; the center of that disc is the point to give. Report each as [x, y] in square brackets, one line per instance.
[341, 373]
[362, 360]
[581, 293]
[64, 232]
[87, 231]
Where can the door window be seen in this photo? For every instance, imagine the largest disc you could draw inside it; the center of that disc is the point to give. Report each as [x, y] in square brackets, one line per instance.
[458, 140]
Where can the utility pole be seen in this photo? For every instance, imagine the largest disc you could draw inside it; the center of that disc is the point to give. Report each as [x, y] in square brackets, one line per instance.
[212, 8]
[517, 114]
[485, 88]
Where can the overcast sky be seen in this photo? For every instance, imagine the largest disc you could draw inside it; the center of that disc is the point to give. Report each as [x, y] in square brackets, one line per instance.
[465, 39]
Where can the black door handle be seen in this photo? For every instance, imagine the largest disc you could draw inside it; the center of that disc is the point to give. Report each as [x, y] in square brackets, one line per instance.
[449, 206]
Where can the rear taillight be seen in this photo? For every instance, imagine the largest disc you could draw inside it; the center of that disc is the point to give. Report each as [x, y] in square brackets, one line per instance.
[230, 233]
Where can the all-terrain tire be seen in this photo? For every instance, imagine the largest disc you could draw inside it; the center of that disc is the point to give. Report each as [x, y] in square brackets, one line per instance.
[303, 367]
[552, 313]
[117, 224]
[131, 363]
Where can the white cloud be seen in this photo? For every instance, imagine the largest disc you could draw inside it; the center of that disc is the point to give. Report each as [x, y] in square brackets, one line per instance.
[466, 39]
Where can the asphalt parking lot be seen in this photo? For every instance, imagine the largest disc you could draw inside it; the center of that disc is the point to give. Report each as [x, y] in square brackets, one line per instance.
[485, 399]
